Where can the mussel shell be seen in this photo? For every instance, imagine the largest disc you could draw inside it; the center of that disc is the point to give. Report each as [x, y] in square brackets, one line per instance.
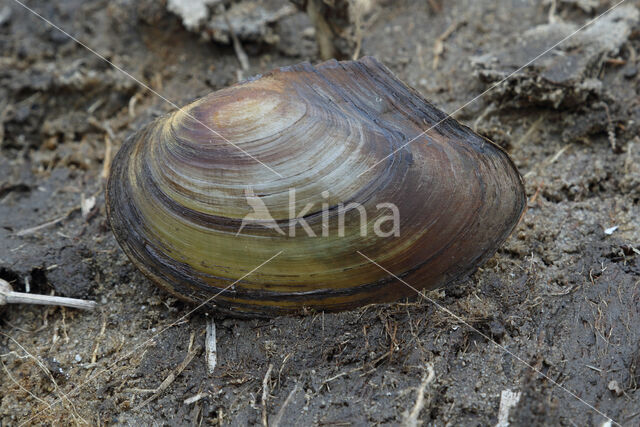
[178, 192]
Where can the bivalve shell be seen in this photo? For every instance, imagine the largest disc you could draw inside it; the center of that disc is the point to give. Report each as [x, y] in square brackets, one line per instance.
[311, 169]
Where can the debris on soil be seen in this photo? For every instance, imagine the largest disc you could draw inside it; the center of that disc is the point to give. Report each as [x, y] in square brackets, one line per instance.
[9, 296]
[271, 22]
[193, 13]
[191, 352]
[5, 14]
[508, 399]
[211, 346]
[339, 25]
[251, 20]
[587, 6]
[615, 388]
[411, 418]
[297, 36]
[566, 76]
[630, 171]
[332, 23]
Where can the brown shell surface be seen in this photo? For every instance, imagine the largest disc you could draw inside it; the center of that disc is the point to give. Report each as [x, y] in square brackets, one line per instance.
[185, 193]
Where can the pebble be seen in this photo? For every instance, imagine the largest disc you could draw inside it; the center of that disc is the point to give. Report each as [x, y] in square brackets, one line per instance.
[615, 388]
[631, 72]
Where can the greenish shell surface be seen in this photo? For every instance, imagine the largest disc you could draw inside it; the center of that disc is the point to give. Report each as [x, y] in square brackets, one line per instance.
[193, 209]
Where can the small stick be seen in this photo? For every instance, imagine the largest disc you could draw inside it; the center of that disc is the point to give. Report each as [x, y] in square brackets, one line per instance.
[31, 230]
[552, 12]
[8, 296]
[508, 399]
[103, 127]
[243, 59]
[438, 45]
[94, 355]
[194, 399]
[210, 346]
[265, 394]
[611, 131]
[132, 105]
[191, 352]
[411, 419]
[278, 418]
[106, 165]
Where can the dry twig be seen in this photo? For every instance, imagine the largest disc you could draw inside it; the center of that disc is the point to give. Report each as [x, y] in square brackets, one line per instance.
[265, 394]
[173, 375]
[243, 59]
[32, 230]
[278, 417]
[8, 296]
[106, 165]
[210, 346]
[411, 419]
[438, 45]
[94, 355]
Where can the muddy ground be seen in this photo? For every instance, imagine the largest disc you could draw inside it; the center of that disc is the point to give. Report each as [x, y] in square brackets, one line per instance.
[562, 294]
